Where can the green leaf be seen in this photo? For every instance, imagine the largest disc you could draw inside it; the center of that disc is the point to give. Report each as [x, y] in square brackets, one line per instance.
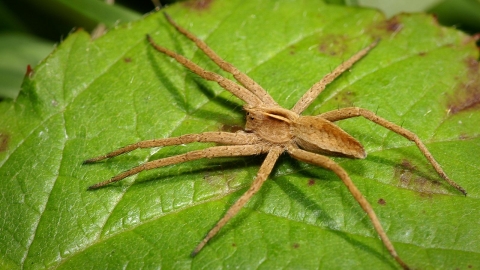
[90, 97]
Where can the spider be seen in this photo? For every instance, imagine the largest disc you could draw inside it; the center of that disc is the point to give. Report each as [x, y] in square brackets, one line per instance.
[273, 130]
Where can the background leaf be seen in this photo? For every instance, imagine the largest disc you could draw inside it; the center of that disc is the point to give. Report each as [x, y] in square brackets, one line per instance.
[16, 50]
[90, 97]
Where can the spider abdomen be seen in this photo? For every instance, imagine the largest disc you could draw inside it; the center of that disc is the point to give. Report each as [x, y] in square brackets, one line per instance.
[319, 135]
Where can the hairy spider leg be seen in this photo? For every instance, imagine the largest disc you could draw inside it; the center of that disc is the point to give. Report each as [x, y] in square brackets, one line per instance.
[206, 137]
[350, 112]
[317, 88]
[241, 77]
[261, 177]
[329, 164]
[234, 88]
[212, 152]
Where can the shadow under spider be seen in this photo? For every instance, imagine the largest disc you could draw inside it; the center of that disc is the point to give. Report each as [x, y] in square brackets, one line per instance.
[311, 205]
[180, 95]
[221, 168]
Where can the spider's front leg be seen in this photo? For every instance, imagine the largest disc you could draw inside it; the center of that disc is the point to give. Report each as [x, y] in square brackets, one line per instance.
[329, 164]
[241, 77]
[229, 85]
[212, 152]
[213, 137]
[242, 144]
[350, 112]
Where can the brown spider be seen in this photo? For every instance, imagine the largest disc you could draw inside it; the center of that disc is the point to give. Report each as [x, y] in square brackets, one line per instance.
[273, 130]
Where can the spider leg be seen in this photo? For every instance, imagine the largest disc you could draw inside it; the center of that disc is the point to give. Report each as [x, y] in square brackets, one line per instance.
[243, 78]
[214, 137]
[317, 88]
[212, 152]
[355, 112]
[229, 85]
[329, 164]
[262, 175]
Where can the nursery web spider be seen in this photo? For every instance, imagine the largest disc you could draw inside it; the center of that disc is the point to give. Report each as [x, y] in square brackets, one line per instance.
[273, 130]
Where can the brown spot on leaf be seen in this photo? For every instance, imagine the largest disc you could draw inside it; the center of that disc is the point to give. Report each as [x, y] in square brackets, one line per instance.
[221, 178]
[472, 64]
[393, 25]
[473, 38]
[4, 139]
[311, 182]
[467, 94]
[387, 27]
[127, 59]
[333, 45]
[296, 245]
[463, 137]
[292, 49]
[29, 73]
[381, 201]
[198, 4]
[345, 98]
[410, 178]
[216, 180]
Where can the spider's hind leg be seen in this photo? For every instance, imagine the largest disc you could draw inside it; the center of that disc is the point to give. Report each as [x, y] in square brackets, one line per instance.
[350, 112]
[329, 164]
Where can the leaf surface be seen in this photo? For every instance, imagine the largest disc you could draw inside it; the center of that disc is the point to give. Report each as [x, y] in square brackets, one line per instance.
[91, 97]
